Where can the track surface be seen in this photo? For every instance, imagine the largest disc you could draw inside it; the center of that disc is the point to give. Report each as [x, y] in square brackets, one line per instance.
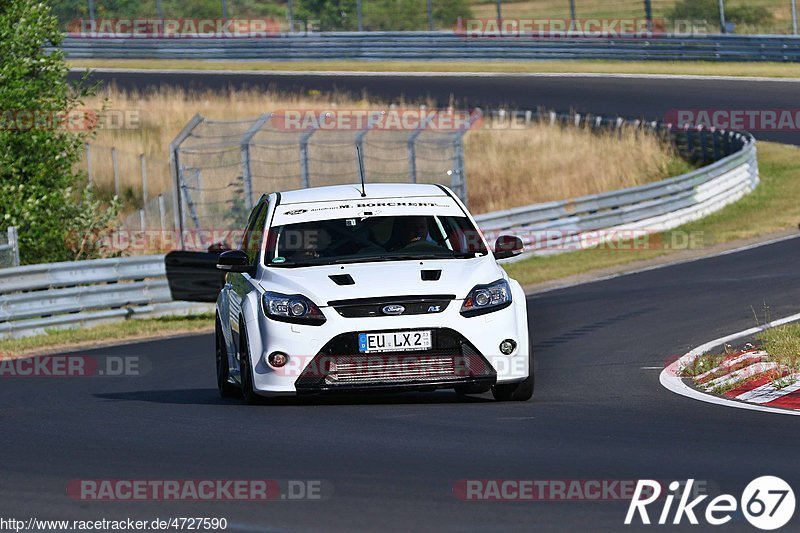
[631, 97]
[598, 412]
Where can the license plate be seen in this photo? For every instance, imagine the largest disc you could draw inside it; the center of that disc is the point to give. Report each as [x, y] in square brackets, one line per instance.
[399, 341]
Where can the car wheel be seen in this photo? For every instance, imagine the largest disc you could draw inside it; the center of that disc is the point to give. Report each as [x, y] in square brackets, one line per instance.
[248, 394]
[226, 389]
[516, 392]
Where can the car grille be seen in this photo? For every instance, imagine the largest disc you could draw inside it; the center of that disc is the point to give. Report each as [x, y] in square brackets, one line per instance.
[412, 305]
[340, 366]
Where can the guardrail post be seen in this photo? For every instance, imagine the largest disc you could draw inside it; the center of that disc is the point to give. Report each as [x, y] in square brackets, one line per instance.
[174, 165]
[13, 241]
[715, 140]
[247, 178]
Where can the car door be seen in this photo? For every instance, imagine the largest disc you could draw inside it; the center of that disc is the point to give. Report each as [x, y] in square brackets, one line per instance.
[239, 285]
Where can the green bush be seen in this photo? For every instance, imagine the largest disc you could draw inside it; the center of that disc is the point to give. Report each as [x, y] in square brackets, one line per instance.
[37, 160]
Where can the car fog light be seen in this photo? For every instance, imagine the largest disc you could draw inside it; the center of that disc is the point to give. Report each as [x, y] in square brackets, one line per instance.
[277, 359]
[507, 346]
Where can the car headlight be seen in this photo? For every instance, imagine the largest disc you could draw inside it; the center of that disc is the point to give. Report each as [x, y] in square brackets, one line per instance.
[487, 298]
[293, 308]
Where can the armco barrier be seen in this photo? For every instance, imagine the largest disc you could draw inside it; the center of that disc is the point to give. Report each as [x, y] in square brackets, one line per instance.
[573, 224]
[33, 298]
[36, 297]
[442, 46]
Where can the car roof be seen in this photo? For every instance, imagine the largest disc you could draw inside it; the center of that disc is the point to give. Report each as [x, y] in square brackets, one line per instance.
[334, 193]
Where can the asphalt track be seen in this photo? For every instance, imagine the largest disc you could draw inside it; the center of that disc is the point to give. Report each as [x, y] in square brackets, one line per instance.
[648, 97]
[599, 412]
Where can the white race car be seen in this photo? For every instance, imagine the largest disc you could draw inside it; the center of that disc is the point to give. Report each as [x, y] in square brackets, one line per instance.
[389, 289]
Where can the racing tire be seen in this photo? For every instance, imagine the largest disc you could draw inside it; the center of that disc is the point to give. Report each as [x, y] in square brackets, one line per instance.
[516, 392]
[226, 389]
[248, 394]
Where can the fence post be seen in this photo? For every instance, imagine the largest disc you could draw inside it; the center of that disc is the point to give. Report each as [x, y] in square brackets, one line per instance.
[722, 23]
[430, 16]
[412, 154]
[499, 11]
[290, 15]
[174, 167]
[794, 17]
[143, 166]
[142, 221]
[162, 214]
[87, 149]
[14, 242]
[305, 179]
[247, 178]
[648, 14]
[116, 170]
[359, 16]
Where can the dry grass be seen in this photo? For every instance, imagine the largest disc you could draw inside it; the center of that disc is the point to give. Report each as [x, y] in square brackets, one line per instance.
[533, 162]
[508, 168]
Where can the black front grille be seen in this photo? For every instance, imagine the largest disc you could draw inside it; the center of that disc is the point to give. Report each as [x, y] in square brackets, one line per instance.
[341, 367]
[412, 305]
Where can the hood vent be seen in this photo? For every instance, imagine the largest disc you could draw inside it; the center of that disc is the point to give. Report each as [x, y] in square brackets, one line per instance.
[342, 279]
[431, 275]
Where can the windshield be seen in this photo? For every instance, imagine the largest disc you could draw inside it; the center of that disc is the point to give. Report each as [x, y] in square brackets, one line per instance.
[377, 238]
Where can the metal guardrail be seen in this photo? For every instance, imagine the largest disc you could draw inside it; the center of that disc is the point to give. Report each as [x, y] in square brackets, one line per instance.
[37, 297]
[443, 46]
[587, 221]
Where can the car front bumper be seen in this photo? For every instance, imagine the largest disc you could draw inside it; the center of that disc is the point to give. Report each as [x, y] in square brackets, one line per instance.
[325, 358]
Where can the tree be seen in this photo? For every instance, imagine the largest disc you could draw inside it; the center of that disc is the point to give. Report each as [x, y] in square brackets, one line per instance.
[39, 146]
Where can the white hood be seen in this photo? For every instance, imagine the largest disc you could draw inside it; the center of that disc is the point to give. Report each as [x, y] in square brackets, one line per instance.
[389, 278]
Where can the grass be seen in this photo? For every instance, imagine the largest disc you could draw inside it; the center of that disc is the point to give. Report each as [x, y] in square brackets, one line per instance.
[695, 68]
[63, 339]
[528, 161]
[783, 345]
[771, 208]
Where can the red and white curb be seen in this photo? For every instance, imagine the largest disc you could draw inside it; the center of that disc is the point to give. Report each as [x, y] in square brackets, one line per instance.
[756, 394]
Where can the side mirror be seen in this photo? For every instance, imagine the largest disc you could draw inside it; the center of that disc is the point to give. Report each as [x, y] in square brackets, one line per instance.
[507, 246]
[234, 261]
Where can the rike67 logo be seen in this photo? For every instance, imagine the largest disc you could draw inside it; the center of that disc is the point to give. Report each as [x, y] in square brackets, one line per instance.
[767, 503]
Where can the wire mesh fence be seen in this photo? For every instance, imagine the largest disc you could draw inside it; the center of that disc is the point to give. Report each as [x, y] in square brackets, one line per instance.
[222, 167]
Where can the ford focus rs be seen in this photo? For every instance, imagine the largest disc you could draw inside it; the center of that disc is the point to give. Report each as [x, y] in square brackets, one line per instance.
[392, 288]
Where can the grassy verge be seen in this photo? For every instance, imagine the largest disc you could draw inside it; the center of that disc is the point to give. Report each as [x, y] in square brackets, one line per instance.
[783, 345]
[58, 339]
[696, 68]
[771, 208]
